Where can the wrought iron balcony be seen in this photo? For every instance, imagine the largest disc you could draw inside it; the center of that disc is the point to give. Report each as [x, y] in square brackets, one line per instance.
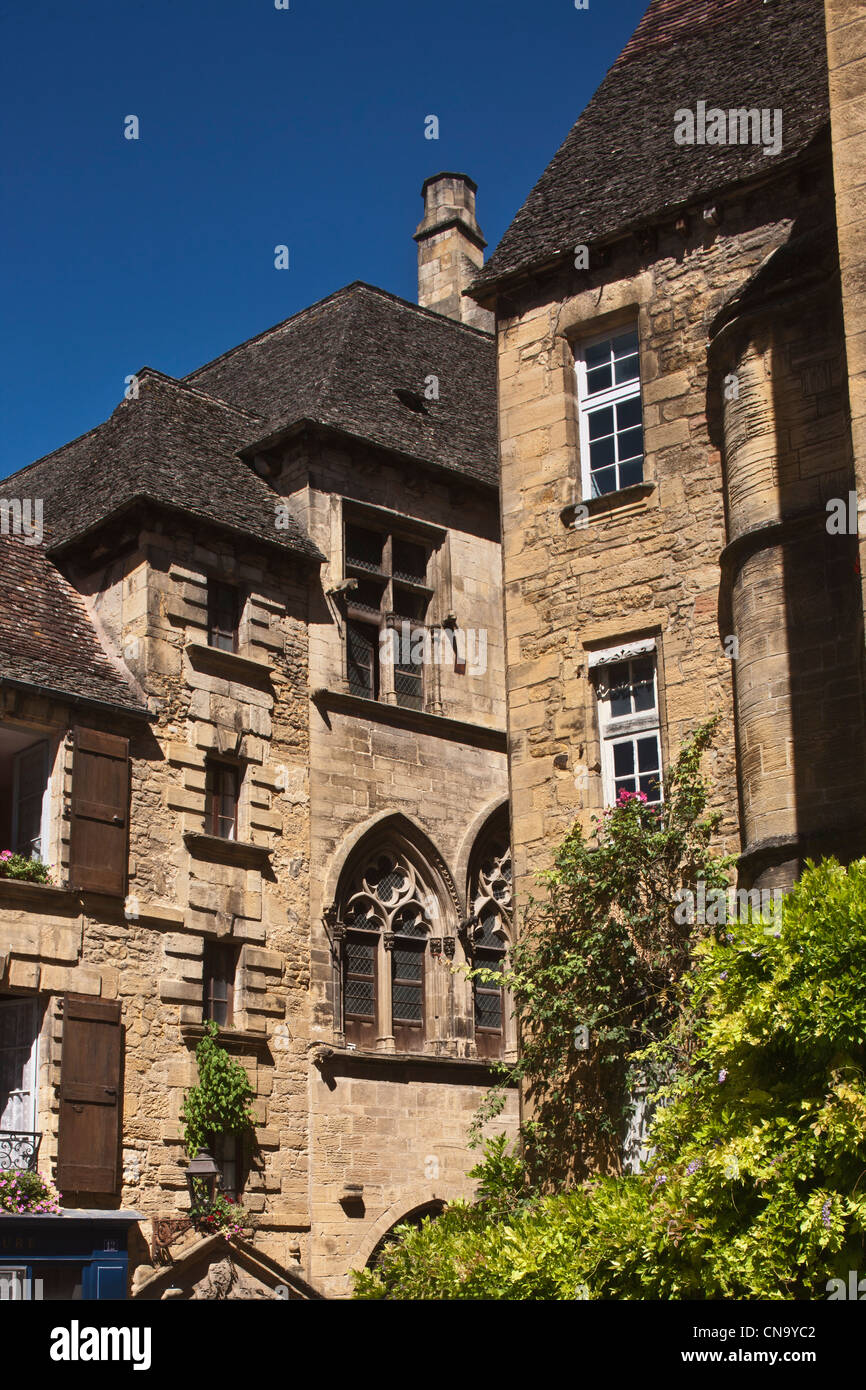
[19, 1148]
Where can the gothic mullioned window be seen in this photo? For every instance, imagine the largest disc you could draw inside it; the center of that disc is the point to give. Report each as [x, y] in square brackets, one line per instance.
[386, 917]
[490, 908]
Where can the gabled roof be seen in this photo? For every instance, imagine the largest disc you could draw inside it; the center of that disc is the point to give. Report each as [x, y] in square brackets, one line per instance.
[46, 636]
[619, 166]
[173, 446]
[341, 363]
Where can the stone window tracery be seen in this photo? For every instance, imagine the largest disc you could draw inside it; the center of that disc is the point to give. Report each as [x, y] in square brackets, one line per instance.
[389, 908]
[490, 902]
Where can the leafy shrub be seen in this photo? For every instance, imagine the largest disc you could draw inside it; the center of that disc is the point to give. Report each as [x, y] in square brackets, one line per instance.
[756, 1188]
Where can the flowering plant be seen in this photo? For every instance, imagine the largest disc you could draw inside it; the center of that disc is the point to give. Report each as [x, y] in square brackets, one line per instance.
[18, 866]
[27, 1194]
[222, 1214]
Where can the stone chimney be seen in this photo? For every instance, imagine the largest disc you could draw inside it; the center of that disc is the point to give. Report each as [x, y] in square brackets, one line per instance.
[450, 249]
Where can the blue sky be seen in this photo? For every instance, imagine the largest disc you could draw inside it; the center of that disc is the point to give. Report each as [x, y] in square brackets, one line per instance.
[258, 127]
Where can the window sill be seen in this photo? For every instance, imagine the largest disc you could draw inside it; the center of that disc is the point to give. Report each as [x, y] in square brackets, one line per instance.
[601, 506]
[36, 894]
[244, 669]
[327, 1058]
[401, 715]
[231, 1038]
[226, 851]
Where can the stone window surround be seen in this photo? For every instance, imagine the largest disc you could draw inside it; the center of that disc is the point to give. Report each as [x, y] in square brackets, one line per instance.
[602, 649]
[594, 313]
[629, 727]
[349, 510]
[615, 395]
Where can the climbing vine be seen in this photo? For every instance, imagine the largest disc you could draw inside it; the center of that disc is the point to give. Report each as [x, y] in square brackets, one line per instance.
[594, 972]
[220, 1103]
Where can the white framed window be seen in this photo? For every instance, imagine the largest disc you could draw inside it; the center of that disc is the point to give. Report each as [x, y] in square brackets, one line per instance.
[19, 1040]
[628, 717]
[609, 402]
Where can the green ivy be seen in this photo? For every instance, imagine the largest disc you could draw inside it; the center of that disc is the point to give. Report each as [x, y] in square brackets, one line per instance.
[220, 1103]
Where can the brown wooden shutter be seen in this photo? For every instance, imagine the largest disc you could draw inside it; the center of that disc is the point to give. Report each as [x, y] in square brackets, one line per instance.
[98, 850]
[89, 1095]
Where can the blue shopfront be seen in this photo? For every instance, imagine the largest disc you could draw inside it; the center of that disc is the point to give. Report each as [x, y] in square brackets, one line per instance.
[73, 1255]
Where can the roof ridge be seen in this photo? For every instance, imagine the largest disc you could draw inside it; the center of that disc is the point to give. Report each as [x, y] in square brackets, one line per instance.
[310, 309]
[181, 385]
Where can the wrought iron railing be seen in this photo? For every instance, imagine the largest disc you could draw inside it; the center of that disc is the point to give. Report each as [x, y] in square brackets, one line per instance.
[19, 1148]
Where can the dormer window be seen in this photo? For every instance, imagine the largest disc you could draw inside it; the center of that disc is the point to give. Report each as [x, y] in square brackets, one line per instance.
[223, 615]
[609, 402]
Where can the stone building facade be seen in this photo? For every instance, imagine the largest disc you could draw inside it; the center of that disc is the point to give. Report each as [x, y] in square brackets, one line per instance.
[253, 720]
[679, 438]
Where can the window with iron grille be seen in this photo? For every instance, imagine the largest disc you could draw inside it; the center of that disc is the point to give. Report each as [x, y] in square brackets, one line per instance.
[362, 659]
[391, 591]
[223, 615]
[385, 911]
[222, 782]
[628, 716]
[490, 903]
[611, 422]
[360, 973]
[218, 978]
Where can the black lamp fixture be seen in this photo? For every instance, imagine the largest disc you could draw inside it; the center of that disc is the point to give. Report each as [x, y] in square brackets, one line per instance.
[201, 1179]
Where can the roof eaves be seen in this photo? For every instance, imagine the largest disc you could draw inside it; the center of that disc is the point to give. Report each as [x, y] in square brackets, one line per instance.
[325, 427]
[307, 550]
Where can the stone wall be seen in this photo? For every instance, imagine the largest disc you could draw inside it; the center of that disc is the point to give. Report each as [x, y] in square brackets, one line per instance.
[644, 563]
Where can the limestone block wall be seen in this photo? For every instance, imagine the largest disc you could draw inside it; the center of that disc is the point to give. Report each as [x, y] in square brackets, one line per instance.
[846, 54]
[184, 889]
[793, 603]
[642, 565]
[398, 1135]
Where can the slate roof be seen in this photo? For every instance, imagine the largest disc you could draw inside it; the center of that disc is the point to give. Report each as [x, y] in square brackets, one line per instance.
[340, 363]
[46, 636]
[173, 446]
[619, 166]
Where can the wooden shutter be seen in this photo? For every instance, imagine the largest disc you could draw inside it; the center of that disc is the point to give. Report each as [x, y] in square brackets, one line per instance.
[89, 1095]
[98, 850]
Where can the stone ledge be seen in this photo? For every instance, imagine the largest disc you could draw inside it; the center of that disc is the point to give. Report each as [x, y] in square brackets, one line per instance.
[38, 895]
[438, 725]
[229, 664]
[608, 502]
[326, 1058]
[226, 851]
[229, 1037]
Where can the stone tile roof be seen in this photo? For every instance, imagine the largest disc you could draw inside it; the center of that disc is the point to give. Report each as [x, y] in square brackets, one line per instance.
[46, 636]
[619, 166]
[341, 363]
[173, 446]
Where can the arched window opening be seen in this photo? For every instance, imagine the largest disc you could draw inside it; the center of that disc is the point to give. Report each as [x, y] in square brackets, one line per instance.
[490, 909]
[387, 917]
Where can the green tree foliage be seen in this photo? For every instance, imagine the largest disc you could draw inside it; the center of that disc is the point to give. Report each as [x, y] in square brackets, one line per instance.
[758, 1183]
